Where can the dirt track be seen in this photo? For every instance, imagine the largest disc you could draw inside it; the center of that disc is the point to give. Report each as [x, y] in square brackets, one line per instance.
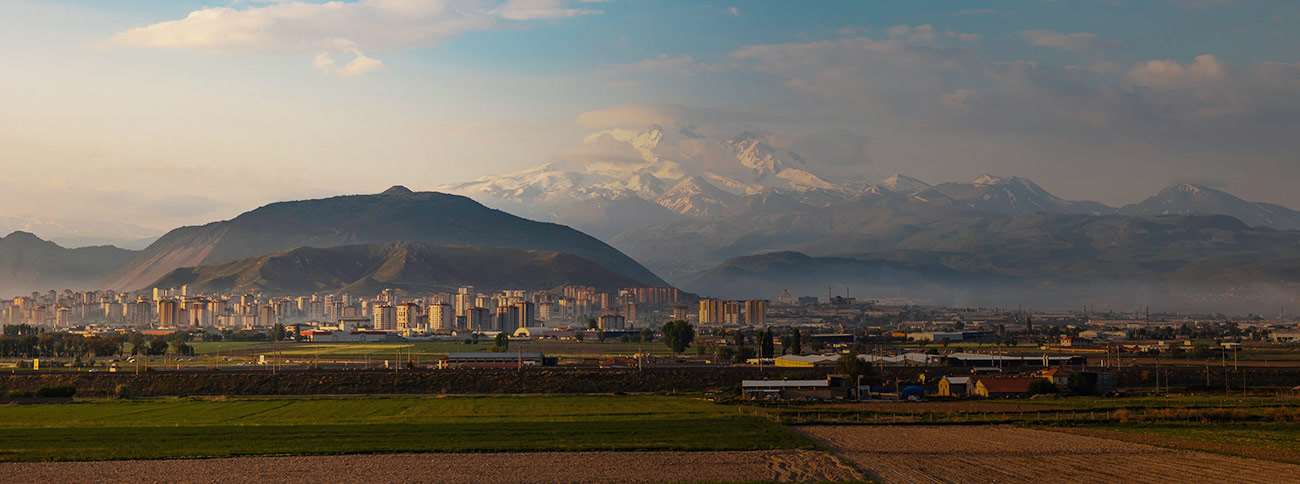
[1008, 454]
[785, 466]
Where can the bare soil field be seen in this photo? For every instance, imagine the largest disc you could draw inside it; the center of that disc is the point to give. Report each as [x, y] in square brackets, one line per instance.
[781, 466]
[971, 406]
[1011, 454]
[1263, 446]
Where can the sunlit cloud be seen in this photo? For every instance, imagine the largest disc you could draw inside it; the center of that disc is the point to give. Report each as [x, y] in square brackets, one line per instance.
[296, 26]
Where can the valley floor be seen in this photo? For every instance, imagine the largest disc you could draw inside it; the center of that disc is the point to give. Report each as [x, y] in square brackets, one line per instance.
[735, 466]
[977, 454]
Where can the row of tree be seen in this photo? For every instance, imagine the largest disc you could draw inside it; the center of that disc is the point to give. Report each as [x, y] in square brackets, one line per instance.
[25, 341]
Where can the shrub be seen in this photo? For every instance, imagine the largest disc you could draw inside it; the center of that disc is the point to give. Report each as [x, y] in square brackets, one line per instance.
[1041, 387]
[121, 391]
[19, 394]
[56, 392]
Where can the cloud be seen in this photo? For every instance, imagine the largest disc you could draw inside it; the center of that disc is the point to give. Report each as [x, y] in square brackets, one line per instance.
[634, 116]
[296, 26]
[359, 65]
[970, 12]
[1166, 74]
[540, 9]
[1056, 40]
[734, 11]
[673, 67]
[864, 74]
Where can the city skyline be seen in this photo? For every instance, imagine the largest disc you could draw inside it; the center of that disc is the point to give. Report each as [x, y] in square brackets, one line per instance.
[202, 110]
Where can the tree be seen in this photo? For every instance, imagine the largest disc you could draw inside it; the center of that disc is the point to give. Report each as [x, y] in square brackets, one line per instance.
[647, 335]
[744, 354]
[501, 343]
[768, 346]
[592, 323]
[277, 332]
[155, 347]
[849, 364]
[1042, 387]
[678, 335]
[1082, 383]
[791, 342]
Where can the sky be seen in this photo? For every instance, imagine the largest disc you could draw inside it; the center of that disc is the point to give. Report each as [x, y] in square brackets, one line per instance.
[122, 119]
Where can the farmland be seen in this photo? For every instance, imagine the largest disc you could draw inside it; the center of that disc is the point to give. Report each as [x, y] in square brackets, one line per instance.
[424, 349]
[1269, 441]
[172, 428]
[1011, 454]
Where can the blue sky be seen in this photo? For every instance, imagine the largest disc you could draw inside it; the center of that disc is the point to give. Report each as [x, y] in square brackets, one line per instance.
[154, 113]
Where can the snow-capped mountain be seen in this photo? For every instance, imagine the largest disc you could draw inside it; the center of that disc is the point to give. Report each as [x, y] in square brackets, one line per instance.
[903, 184]
[1009, 195]
[697, 197]
[681, 171]
[1190, 199]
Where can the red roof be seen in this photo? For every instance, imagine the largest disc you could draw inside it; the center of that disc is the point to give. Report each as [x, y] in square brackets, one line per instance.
[1007, 384]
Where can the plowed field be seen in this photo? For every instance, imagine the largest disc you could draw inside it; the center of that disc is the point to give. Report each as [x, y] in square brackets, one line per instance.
[1010, 454]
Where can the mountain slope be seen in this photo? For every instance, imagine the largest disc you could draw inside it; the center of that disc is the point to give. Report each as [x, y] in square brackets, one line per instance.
[28, 263]
[410, 266]
[1011, 195]
[397, 214]
[1188, 199]
[1204, 262]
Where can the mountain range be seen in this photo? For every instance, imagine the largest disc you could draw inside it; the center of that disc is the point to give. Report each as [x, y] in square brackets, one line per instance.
[729, 216]
[360, 241]
[659, 176]
[409, 266]
[396, 215]
[693, 208]
[28, 263]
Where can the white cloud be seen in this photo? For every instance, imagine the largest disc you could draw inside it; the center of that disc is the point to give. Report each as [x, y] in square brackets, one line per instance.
[659, 67]
[1058, 40]
[540, 9]
[1162, 73]
[734, 11]
[633, 116]
[298, 26]
[359, 65]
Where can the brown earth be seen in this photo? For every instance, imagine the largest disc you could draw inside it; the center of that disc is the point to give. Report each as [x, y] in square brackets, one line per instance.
[1278, 454]
[782, 466]
[1010, 454]
[964, 406]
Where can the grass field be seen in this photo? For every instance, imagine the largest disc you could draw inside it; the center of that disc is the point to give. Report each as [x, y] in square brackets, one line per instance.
[1048, 411]
[99, 430]
[423, 348]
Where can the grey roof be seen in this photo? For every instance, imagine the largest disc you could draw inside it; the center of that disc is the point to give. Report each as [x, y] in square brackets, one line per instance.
[488, 356]
[784, 383]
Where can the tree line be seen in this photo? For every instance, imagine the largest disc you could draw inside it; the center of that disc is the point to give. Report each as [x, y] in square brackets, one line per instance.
[27, 341]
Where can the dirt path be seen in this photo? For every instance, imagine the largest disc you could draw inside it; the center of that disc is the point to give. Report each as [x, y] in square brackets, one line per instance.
[784, 466]
[1010, 454]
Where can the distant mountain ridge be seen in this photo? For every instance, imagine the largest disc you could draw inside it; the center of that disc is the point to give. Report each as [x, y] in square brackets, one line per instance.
[1191, 199]
[409, 266]
[1201, 262]
[396, 215]
[29, 263]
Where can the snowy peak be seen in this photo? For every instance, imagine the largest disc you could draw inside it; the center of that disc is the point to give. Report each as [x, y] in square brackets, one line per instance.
[754, 153]
[697, 197]
[1192, 199]
[904, 184]
[987, 179]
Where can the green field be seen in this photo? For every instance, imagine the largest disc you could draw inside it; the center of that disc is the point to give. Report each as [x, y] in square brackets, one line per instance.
[169, 428]
[423, 348]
